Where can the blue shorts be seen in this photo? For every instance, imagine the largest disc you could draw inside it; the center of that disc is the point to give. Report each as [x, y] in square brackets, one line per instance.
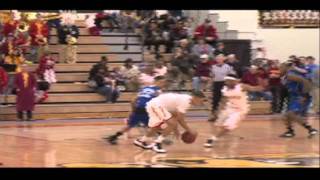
[295, 104]
[137, 118]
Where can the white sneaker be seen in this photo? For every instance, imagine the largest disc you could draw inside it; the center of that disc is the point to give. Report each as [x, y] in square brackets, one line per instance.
[142, 144]
[209, 143]
[158, 148]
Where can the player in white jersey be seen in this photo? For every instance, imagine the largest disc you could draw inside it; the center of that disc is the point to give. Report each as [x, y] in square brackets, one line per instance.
[165, 113]
[233, 108]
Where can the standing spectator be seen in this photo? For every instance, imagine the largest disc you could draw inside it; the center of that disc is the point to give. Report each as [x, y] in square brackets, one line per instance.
[202, 74]
[25, 84]
[39, 32]
[106, 86]
[130, 73]
[207, 31]
[275, 86]
[46, 68]
[202, 48]
[235, 64]
[220, 49]
[68, 35]
[219, 71]
[182, 67]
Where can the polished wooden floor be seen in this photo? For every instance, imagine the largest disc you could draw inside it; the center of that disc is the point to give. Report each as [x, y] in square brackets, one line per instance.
[80, 144]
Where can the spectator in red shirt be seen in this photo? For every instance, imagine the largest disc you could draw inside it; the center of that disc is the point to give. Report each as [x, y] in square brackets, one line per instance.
[207, 31]
[275, 86]
[10, 26]
[39, 32]
[3, 79]
[255, 78]
[202, 74]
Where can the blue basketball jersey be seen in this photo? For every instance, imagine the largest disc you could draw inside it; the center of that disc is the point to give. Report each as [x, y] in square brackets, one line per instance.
[146, 94]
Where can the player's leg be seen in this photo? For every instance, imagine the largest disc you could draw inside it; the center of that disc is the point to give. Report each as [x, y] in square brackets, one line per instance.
[228, 122]
[288, 119]
[132, 122]
[303, 122]
[164, 130]
[215, 127]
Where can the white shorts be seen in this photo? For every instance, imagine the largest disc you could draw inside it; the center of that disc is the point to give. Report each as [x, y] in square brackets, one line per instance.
[230, 118]
[157, 115]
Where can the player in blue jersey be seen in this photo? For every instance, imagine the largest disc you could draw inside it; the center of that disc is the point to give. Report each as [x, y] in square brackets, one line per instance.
[138, 113]
[299, 88]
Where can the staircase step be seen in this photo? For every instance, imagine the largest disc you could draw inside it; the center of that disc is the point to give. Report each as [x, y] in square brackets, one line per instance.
[72, 77]
[79, 67]
[77, 98]
[112, 57]
[84, 32]
[101, 40]
[99, 48]
[70, 87]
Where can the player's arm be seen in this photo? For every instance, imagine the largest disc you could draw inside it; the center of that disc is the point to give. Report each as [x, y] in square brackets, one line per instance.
[180, 117]
[247, 87]
[306, 83]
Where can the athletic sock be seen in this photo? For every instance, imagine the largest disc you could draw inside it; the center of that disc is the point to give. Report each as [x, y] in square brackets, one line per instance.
[159, 139]
[307, 126]
[214, 138]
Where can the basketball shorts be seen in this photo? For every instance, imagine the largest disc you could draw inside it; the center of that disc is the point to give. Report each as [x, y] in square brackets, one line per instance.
[294, 104]
[230, 118]
[139, 116]
[157, 115]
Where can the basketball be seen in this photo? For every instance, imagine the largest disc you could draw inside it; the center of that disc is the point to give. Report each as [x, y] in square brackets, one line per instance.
[188, 137]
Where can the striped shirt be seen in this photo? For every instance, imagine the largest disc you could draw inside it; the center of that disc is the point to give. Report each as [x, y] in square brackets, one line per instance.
[219, 72]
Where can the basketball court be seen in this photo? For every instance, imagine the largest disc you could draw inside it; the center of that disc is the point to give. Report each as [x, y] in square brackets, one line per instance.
[80, 143]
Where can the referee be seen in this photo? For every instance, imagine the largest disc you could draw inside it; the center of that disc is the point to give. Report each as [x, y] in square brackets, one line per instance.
[218, 72]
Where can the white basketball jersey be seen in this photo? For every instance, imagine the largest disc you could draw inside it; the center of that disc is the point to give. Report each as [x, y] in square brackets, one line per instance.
[236, 98]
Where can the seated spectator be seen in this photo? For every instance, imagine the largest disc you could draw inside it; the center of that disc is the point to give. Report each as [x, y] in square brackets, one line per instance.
[202, 74]
[185, 45]
[120, 80]
[10, 26]
[92, 28]
[207, 31]
[45, 69]
[220, 49]
[106, 86]
[103, 64]
[16, 58]
[68, 35]
[235, 64]
[178, 32]
[275, 86]
[22, 38]
[109, 18]
[251, 77]
[202, 48]
[160, 69]
[146, 77]
[154, 37]
[39, 32]
[130, 73]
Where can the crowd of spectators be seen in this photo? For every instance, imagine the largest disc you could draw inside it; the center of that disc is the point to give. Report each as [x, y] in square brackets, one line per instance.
[198, 56]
